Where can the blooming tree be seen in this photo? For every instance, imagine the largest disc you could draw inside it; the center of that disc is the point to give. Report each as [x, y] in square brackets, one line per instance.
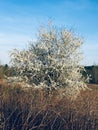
[53, 61]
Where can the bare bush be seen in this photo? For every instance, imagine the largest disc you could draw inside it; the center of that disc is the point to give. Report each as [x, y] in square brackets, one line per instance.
[34, 109]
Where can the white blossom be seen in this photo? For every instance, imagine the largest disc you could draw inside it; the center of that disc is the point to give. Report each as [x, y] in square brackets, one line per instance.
[53, 61]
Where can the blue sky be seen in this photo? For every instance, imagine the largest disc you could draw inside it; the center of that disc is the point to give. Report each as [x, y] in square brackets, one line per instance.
[20, 19]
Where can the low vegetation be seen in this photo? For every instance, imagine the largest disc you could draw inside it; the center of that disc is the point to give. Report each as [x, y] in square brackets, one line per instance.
[34, 109]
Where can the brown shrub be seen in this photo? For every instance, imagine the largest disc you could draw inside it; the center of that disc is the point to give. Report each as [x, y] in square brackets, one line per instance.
[34, 109]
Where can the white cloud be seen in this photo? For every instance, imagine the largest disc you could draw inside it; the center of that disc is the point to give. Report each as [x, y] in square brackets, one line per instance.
[9, 42]
[90, 53]
[4, 57]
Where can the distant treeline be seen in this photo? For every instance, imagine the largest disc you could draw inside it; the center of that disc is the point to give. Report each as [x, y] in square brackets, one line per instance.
[6, 70]
[92, 71]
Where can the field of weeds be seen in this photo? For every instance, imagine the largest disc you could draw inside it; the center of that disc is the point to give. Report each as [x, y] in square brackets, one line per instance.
[34, 109]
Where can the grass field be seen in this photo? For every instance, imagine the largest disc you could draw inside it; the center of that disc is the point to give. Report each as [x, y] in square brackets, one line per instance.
[34, 109]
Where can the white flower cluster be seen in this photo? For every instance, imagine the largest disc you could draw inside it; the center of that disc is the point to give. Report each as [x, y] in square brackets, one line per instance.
[53, 61]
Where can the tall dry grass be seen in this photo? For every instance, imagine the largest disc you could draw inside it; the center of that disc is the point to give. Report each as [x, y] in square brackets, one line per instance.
[34, 109]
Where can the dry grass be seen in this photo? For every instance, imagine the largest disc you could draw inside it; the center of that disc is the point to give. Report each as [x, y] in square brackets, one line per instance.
[34, 109]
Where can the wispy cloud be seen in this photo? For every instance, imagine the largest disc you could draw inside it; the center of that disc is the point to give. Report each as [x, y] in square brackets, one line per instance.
[13, 40]
[90, 52]
[4, 57]
[9, 42]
